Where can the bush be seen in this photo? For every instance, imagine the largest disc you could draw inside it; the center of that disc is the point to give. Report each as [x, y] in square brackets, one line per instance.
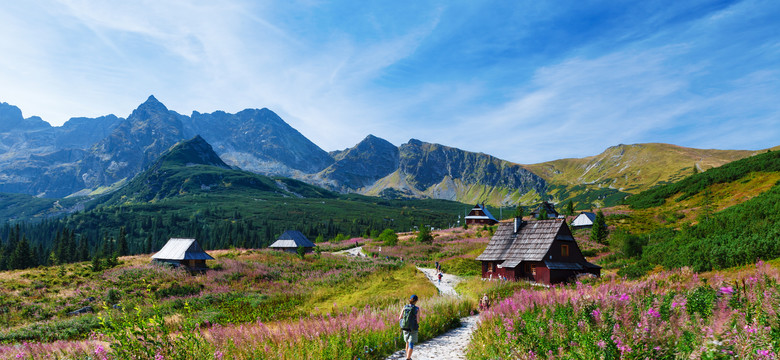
[388, 237]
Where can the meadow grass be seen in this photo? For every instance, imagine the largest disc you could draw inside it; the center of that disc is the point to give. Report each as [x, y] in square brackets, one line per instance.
[668, 315]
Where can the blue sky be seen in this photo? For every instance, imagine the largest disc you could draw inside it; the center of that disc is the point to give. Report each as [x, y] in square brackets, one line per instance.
[527, 81]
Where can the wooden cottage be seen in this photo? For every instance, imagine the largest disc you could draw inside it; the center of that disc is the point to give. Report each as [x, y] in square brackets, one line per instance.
[548, 208]
[543, 251]
[583, 221]
[183, 252]
[480, 215]
[291, 240]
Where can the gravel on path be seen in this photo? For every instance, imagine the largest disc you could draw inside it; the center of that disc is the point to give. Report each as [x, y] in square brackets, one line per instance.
[452, 344]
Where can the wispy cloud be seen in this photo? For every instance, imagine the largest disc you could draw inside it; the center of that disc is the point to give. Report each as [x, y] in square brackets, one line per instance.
[524, 81]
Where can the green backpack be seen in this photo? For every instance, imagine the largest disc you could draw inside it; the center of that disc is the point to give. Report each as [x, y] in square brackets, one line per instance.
[409, 318]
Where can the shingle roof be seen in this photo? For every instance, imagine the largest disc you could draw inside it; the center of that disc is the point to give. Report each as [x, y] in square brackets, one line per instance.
[530, 243]
[182, 249]
[484, 209]
[292, 239]
[584, 219]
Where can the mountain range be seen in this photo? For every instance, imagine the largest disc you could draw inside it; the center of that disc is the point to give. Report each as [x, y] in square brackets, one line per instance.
[91, 156]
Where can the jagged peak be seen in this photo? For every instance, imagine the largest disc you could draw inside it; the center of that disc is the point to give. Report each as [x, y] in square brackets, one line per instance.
[152, 105]
[195, 151]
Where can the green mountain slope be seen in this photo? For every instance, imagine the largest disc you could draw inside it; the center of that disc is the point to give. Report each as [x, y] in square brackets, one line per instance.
[607, 178]
[724, 217]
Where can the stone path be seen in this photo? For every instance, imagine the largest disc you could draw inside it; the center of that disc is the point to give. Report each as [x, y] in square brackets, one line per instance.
[355, 251]
[452, 344]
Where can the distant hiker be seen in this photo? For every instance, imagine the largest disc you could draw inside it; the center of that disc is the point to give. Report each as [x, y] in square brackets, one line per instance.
[409, 319]
[440, 276]
[437, 266]
[484, 304]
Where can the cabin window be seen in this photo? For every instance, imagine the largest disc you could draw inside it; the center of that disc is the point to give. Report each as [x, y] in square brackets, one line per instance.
[564, 250]
[490, 266]
[530, 269]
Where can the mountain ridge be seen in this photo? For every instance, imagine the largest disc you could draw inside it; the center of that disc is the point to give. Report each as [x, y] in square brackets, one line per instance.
[60, 161]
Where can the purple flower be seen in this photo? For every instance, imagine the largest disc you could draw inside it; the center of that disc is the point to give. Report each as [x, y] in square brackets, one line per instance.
[596, 313]
[727, 290]
[601, 344]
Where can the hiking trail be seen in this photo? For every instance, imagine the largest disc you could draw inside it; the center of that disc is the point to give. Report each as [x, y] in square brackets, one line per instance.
[452, 344]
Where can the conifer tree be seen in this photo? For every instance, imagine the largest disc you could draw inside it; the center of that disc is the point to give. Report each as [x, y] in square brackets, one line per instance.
[570, 208]
[598, 232]
[122, 242]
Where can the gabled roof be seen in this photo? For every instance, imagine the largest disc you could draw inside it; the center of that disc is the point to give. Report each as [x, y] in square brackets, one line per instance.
[292, 239]
[548, 207]
[584, 219]
[487, 216]
[182, 249]
[530, 243]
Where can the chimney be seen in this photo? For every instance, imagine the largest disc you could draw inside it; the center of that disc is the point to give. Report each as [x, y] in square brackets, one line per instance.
[518, 224]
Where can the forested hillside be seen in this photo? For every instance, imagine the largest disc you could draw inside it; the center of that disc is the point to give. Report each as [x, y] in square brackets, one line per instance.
[736, 235]
[189, 192]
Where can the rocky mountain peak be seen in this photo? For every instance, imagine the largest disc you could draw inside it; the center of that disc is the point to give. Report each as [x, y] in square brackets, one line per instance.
[10, 116]
[195, 151]
[150, 106]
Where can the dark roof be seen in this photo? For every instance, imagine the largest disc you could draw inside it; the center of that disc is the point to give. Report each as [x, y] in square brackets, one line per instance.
[548, 207]
[530, 243]
[182, 249]
[487, 216]
[292, 239]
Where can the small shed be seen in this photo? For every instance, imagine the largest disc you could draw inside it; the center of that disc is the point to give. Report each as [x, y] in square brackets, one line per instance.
[183, 252]
[291, 240]
[548, 207]
[480, 215]
[584, 220]
[543, 251]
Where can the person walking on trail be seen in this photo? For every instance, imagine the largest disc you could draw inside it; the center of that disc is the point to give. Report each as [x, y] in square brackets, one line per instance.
[409, 319]
[440, 276]
[485, 303]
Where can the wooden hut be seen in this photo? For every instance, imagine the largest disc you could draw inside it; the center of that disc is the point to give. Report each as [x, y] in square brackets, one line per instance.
[543, 251]
[291, 240]
[183, 252]
[584, 220]
[480, 215]
[549, 208]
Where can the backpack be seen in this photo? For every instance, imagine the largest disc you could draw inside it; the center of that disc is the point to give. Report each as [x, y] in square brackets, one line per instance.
[409, 318]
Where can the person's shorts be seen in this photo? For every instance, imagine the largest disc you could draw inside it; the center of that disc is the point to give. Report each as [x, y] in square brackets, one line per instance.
[410, 337]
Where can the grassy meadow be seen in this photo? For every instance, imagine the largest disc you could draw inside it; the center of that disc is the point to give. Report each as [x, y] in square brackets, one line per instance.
[252, 304]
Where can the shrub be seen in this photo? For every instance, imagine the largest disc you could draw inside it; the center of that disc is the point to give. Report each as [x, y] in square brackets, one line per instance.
[388, 237]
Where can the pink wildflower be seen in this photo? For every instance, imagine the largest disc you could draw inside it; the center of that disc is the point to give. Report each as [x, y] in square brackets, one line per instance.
[727, 290]
[601, 344]
[159, 356]
[654, 313]
[596, 313]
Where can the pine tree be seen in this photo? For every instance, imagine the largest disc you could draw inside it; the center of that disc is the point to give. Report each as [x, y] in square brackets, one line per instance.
[570, 208]
[598, 232]
[21, 258]
[122, 242]
[424, 236]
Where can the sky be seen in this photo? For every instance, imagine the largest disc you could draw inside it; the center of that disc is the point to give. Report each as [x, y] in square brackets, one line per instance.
[525, 81]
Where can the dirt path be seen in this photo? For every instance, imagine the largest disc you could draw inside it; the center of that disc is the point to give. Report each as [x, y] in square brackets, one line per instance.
[452, 344]
[355, 251]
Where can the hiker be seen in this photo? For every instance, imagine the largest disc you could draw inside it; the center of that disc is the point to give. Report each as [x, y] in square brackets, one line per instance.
[485, 303]
[437, 266]
[409, 319]
[440, 276]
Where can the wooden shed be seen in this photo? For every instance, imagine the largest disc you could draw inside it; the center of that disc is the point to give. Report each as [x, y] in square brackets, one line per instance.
[183, 252]
[543, 251]
[291, 240]
[584, 220]
[479, 215]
